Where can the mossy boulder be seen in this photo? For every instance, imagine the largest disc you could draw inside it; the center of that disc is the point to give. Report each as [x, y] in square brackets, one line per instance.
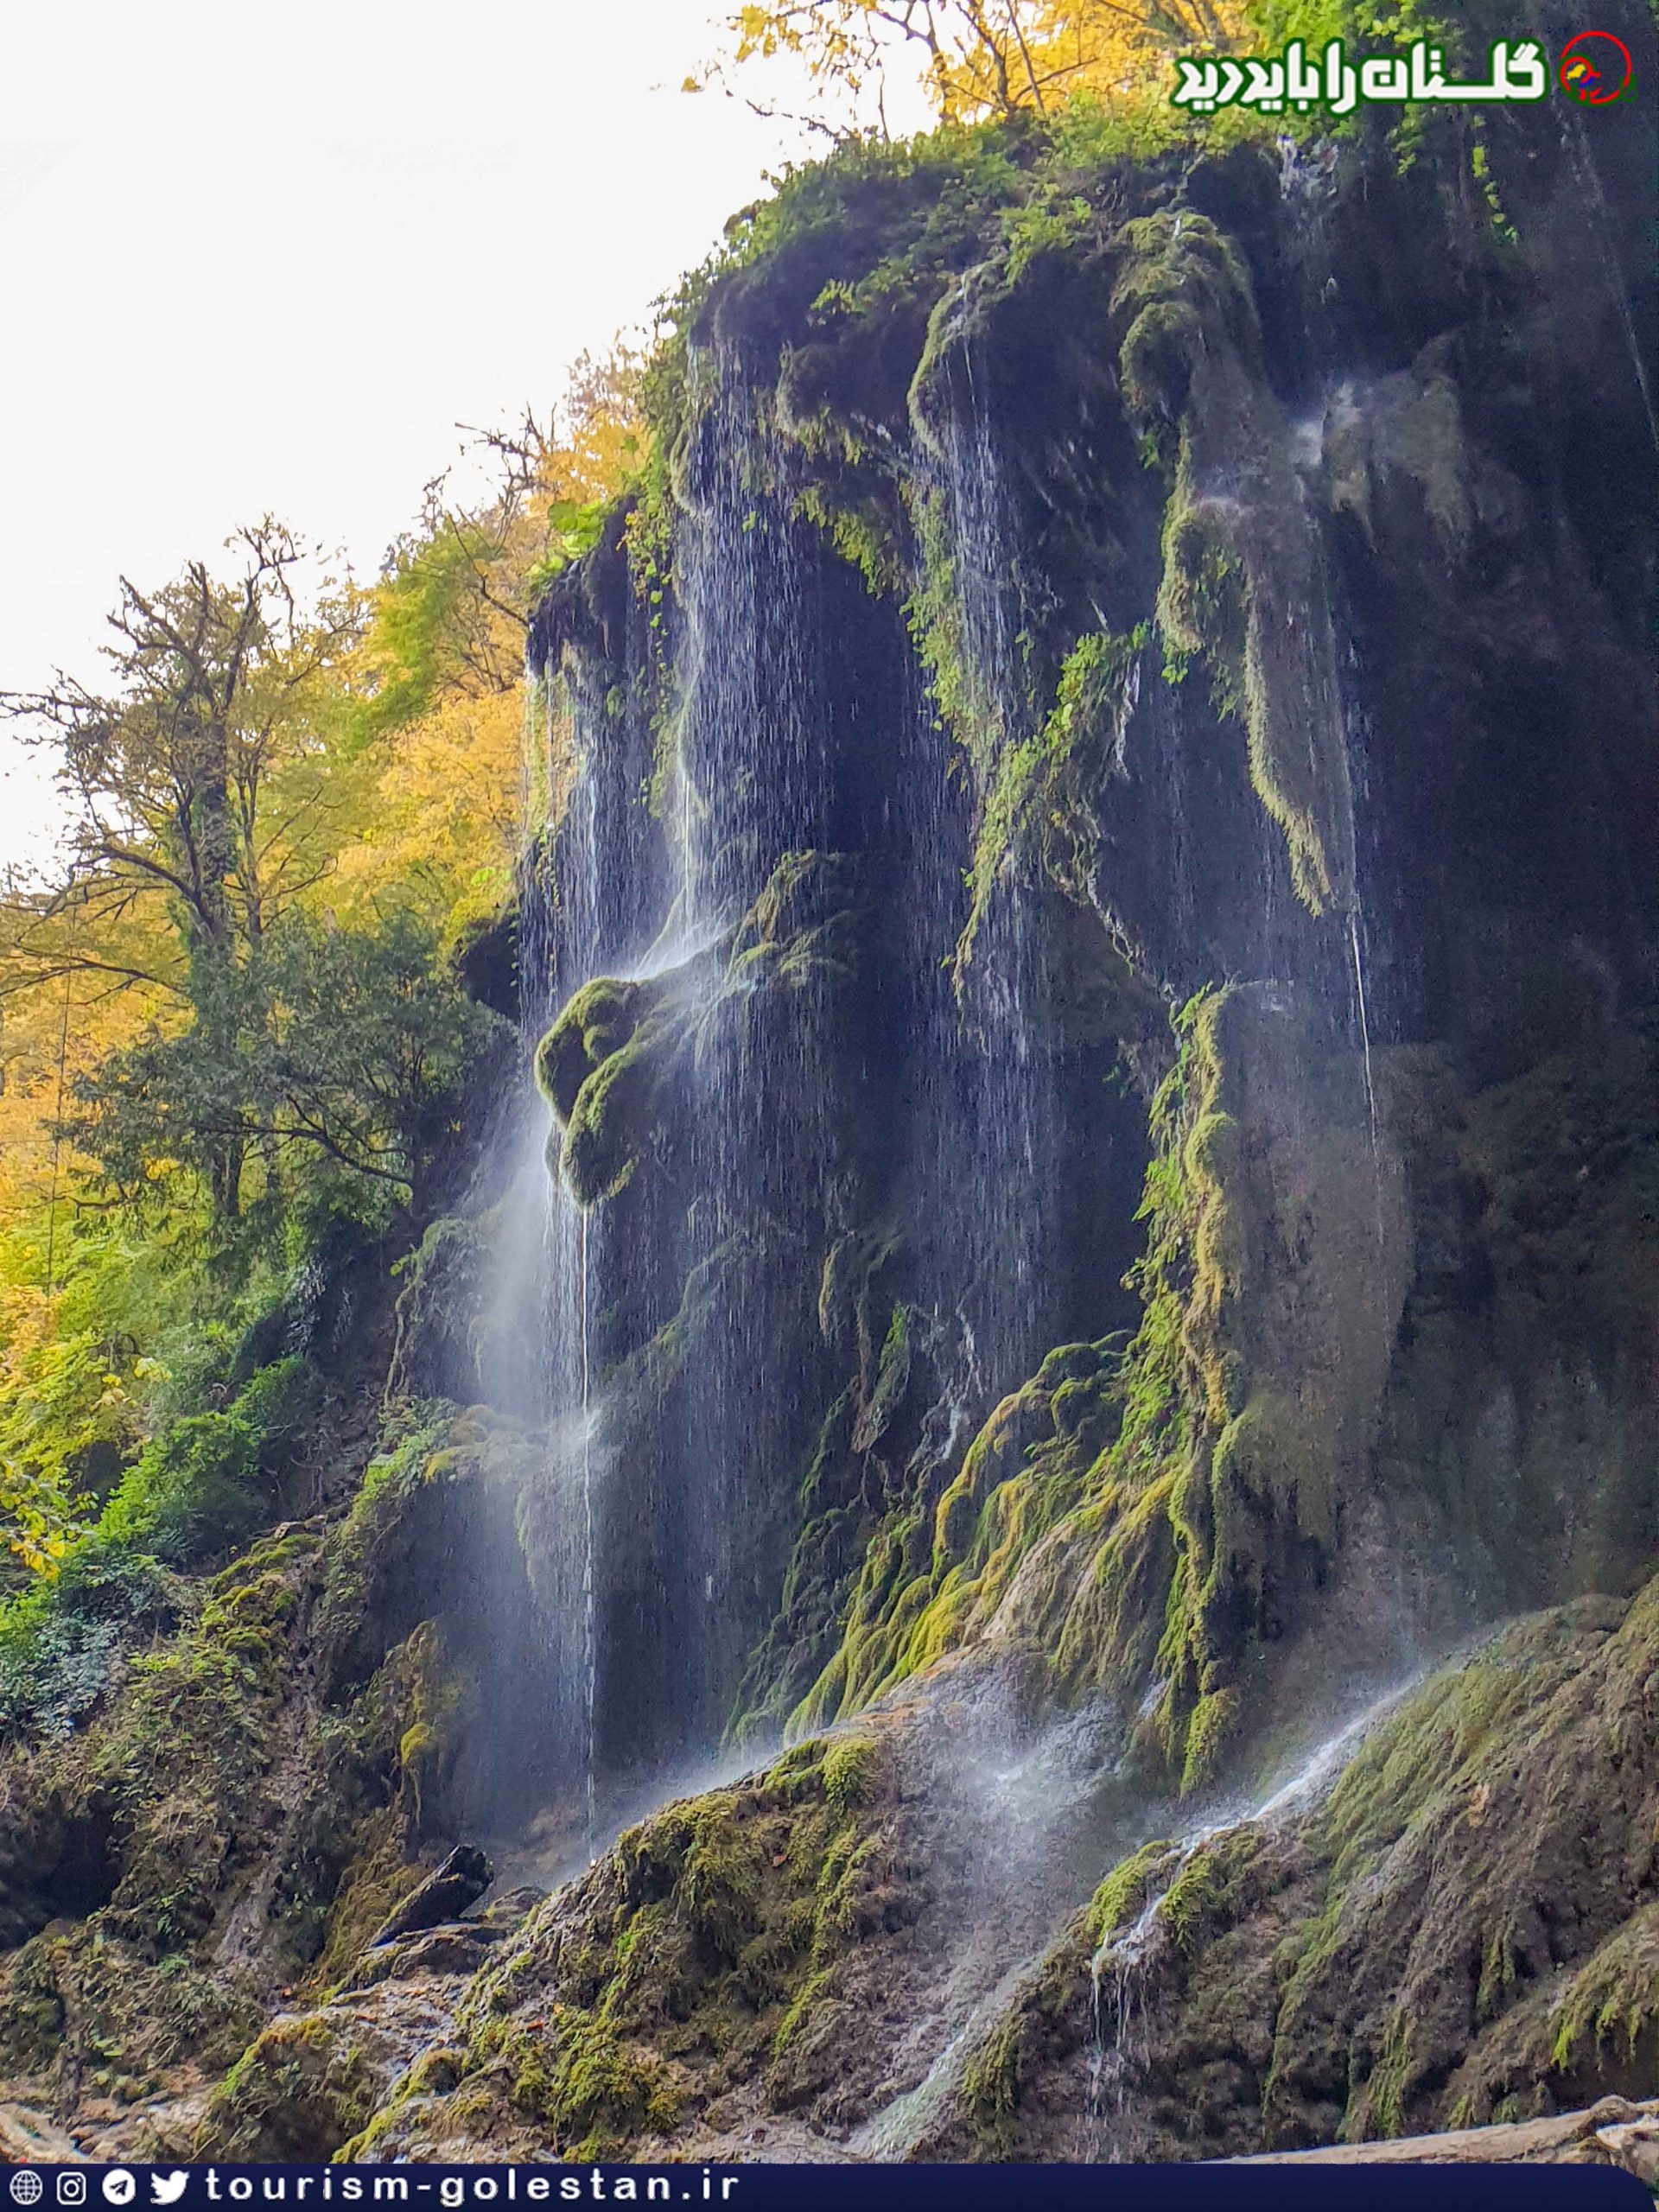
[1462, 1931]
[603, 1067]
[708, 1951]
[300, 2089]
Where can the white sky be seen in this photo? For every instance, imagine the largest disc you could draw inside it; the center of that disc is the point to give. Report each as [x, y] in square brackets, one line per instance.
[267, 260]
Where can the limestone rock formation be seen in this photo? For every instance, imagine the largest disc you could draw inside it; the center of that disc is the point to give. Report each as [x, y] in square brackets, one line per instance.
[1025, 1478]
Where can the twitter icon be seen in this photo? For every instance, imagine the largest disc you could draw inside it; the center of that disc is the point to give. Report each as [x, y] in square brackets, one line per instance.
[168, 2189]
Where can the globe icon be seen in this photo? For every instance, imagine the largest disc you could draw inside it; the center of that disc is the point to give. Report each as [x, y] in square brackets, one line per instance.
[27, 2188]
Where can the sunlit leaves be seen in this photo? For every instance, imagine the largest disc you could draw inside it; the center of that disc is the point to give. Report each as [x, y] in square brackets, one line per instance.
[979, 58]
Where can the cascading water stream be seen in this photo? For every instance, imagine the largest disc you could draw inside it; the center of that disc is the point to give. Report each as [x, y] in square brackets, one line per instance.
[1000, 1218]
[589, 1582]
[1365, 1049]
[1306, 187]
[1124, 1962]
[1117, 1978]
[1587, 178]
[536, 1361]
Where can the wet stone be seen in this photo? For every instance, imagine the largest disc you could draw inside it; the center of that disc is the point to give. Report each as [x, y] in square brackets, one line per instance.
[445, 1895]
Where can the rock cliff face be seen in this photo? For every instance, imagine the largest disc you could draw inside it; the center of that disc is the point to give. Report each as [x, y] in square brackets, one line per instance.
[1086, 1215]
[1183, 560]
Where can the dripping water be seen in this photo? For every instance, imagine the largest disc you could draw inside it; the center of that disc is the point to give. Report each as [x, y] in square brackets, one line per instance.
[1365, 1049]
[1121, 1967]
[895, 2131]
[589, 1600]
[1588, 179]
[1000, 1221]
[1118, 1974]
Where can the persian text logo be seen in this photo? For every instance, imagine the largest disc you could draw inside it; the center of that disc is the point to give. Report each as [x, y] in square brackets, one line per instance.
[1515, 71]
[1596, 69]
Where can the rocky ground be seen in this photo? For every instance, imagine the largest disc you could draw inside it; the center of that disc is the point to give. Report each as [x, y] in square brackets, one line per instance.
[851, 1954]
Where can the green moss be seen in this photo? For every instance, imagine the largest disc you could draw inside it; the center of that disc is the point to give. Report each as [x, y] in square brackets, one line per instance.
[1105, 1464]
[849, 1770]
[1612, 2001]
[299, 2092]
[575, 2075]
[1210, 1885]
[799, 933]
[991, 2082]
[705, 1948]
[166, 1785]
[602, 1066]
[607, 1064]
[1126, 1891]
[434, 2074]
[432, 1453]
[1238, 584]
[1207, 1729]
[813, 1993]
[1034, 808]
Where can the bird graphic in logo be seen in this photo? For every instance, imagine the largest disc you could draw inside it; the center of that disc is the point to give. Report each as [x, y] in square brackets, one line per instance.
[1596, 69]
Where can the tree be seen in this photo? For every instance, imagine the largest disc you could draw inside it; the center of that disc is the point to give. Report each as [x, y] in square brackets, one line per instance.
[235, 1018]
[195, 782]
[980, 57]
[451, 610]
[198, 790]
[342, 1047]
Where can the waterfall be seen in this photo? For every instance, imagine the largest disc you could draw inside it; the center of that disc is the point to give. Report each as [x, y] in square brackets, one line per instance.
[999, 1216]
[578, 907]
[666, 1310]
[1365, 1049]
[894, 2132]
[751, 767]
[1587, 178]
[589, 1616]
[1125, 1961]
[751, 770]
[1118, 1972]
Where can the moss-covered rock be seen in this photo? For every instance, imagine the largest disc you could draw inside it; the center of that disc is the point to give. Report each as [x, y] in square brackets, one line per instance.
[603, 1067]
[139, 1831]
[1462, 1931]
[707, 1952]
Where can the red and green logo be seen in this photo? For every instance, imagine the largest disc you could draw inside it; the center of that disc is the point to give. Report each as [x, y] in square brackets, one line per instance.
[1596, 69]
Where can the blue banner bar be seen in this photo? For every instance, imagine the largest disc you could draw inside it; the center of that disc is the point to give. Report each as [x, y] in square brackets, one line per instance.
[1299, 2188]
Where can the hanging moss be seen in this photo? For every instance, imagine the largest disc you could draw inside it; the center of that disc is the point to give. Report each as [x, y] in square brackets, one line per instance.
[1034, 810]
[1133, 1511]
[1127, 1891]
[800, 931]
[1241, 574]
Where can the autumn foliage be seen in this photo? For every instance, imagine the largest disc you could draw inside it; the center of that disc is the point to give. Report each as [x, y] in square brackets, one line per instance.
[982, 58]
[231, 1012]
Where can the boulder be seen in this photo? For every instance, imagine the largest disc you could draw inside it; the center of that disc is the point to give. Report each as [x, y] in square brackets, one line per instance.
[444, 1894]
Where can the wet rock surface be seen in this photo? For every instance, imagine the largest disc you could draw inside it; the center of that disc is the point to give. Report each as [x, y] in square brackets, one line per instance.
[443, 1896]
[1095, 980]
